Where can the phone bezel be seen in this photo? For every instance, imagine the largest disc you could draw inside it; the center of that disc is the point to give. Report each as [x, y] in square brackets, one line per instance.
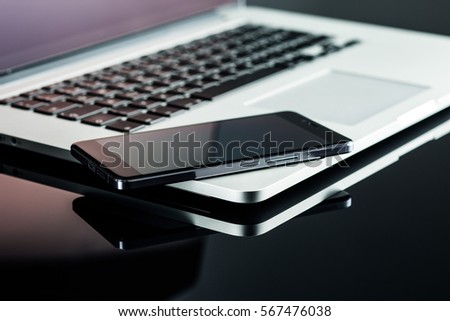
[90, 154]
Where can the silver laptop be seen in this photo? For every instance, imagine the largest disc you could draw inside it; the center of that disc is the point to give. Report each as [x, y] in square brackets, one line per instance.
[80, 70]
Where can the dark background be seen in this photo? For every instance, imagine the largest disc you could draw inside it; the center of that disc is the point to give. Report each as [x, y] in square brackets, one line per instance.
[422, 15]
[392, 244]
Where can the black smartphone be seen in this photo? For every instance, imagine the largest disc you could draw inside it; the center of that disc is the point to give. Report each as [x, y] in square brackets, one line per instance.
[208, 149]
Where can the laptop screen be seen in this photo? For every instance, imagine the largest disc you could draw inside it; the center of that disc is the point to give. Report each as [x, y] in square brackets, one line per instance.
[35, 30]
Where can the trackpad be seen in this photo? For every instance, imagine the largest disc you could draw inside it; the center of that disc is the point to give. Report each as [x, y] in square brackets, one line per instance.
[340, 97]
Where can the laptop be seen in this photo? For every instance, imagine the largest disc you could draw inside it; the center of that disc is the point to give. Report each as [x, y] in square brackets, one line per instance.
[88, 69]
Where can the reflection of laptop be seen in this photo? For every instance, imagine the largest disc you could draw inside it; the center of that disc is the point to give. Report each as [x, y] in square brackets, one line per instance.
[213, 214]
[195, 61]
[127, 228]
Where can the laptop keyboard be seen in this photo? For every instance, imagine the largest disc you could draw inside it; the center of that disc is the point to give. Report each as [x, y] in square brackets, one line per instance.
[137, 93]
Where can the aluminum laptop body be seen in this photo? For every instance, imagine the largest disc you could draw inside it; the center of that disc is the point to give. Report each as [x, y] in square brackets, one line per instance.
[388, 81]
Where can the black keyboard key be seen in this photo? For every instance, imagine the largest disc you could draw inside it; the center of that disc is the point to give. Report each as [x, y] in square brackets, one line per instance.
[172, 81]
[145, 118]
[123, 85]
[54, 86]
[11, 100]
[259, 60]
[318, 39]
[132, 95]
[351, 43]
[228, 73]
[167, 97]
[147, 66]
[212, 79]
[100, 119]
[50, 97]
[184, 90]
[192, 73]
[329, 48]
[85, 99]
[81, 112]
[201, 56]
[185, 103]
[293, 60]
[55, 108]
[179, 65]
[125, 126]
[200, 83]
[212, 92]
[146, 104]
[160, 73]
[33, 93]
[308, 41]
[166, 65]
[226, 59]
[74, 81]
[27, 104]
[245, 65]
[242, 54]
[127, 71]
[112, 102]
[103, 92]
[125, 111]
[141, 79]
[211, 65]
[166, 111]
[152, 89]
[91, 84]
[109, 78]
[71, 91]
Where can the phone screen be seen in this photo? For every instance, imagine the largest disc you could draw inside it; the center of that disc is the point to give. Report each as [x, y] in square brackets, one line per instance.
[210, 144]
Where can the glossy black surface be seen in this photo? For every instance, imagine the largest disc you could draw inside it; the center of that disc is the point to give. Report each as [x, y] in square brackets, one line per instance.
[391, 244]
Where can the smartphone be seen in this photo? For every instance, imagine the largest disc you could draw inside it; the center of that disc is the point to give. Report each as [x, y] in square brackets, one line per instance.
[208, 149]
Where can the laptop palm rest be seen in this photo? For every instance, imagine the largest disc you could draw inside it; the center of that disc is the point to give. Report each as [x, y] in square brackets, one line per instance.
[339, 97]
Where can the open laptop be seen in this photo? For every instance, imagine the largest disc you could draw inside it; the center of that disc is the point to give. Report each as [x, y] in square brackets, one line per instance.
[87, 69]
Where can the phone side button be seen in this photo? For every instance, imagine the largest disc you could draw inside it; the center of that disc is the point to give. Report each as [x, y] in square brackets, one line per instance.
[249, 163]
[282, 160]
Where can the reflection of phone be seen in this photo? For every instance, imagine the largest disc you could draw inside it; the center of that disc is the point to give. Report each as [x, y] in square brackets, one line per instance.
[208, 149]
[128, 227]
